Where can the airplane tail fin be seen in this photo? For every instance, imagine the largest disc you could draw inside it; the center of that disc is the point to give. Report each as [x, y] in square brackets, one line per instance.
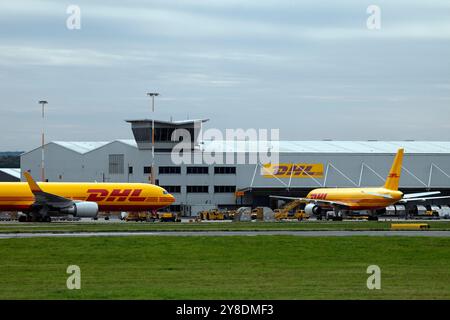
[393, 179]
[33, 185]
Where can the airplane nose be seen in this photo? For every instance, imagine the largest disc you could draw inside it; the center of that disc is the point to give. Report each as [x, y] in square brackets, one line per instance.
[172, 198]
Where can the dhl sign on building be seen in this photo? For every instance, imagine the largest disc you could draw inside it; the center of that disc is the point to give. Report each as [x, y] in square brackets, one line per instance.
[292, 170]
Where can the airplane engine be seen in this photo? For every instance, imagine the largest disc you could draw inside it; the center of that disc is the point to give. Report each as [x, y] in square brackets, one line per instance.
[312, 209]
[84, 209]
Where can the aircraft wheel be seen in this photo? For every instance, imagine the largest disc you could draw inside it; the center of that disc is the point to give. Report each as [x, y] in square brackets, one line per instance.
[36, 218]
[23, 219]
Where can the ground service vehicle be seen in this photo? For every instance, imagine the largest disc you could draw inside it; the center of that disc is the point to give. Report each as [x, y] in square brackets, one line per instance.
[258, 213]
[168, 216]
[285, 211]
[214, 214]
[136, 216]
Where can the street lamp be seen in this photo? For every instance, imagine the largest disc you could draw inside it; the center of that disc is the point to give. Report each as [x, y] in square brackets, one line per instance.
[153, 95]
[42, 103]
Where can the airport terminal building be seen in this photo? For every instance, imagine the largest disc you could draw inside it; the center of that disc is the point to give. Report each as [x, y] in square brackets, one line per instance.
[199, 185]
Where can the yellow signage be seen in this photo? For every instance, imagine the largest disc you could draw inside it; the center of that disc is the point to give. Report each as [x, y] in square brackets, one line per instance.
[294, 170]
[239, 193]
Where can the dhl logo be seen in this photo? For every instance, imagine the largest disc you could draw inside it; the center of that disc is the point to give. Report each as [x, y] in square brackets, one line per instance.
[98, 195]
[294, 170]
[321, 196]
[393, 175]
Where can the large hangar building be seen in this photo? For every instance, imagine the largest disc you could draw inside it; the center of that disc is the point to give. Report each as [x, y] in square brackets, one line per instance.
[302, 166]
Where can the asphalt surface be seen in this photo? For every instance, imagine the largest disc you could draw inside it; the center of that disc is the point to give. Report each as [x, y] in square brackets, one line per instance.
[231, 233]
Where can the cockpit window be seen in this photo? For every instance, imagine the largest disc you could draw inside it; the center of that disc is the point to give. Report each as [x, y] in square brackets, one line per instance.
[165, 192]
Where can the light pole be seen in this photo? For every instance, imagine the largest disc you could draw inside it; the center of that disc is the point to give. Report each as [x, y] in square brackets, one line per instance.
[152, 174]
[43, 103]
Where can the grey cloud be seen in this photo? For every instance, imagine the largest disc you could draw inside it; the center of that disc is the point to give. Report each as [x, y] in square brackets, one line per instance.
[313, 70]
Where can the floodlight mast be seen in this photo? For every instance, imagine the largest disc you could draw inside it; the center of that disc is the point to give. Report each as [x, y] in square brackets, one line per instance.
[153, 173]
[43, 103]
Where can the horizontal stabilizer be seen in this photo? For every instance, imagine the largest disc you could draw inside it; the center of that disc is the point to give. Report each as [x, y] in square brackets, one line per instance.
[423, 199]
[420, 194]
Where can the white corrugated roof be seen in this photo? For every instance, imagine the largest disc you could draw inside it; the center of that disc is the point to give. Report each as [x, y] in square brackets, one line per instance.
[329, 146]
[87, 146]
[129, 142]
[12, 172]
[175, 122]
[83, 147]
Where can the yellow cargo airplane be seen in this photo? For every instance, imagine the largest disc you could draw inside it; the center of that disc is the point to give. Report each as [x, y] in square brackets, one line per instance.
[351, 199]
[40, 201]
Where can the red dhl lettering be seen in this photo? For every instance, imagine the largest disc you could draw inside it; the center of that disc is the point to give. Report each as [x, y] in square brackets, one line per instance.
[321, 196]
[393, 175]
[301, 170]
[135, 196]
[98, 195]
[280, 170]
[295, 170]
[120, 195]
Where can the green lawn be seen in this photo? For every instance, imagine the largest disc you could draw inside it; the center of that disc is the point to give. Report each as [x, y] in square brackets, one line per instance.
[196, 226]
[259, 267]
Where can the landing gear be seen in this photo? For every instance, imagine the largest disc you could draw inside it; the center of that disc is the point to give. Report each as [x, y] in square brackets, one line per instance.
[372, 216]
[39, 215]
[335, 216]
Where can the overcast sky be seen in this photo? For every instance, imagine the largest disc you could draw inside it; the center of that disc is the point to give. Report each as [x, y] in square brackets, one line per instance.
[312, 69]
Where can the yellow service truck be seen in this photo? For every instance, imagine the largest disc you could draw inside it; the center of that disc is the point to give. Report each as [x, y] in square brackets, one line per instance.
[213, 214]
[168, 217]
[136, 216]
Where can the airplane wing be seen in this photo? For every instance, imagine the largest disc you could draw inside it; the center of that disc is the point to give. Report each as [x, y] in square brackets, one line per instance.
[316, 201]
[45, 198]
[422, 199]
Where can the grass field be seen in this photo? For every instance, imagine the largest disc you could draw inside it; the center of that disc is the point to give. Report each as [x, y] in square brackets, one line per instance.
[224, 226]
[259, 267]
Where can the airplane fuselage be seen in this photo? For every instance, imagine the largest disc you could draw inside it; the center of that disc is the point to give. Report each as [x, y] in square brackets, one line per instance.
[358, 198]
[17, 196]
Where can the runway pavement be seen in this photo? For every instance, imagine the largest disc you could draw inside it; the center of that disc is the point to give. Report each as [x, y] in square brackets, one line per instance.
[232, 233]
